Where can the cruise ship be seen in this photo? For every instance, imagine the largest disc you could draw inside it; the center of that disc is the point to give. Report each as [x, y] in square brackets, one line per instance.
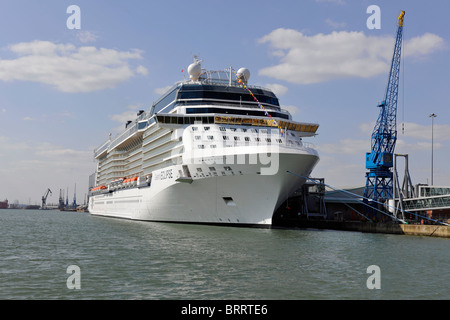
[212, 150]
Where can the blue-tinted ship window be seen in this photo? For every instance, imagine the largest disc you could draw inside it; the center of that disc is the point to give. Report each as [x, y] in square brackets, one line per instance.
[166, 100]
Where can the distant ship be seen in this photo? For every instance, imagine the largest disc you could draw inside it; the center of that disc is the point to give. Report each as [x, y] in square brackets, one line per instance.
[4, 204]
[212, 150]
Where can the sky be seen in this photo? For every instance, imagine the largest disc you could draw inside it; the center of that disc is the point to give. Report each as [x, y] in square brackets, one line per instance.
[68, 80]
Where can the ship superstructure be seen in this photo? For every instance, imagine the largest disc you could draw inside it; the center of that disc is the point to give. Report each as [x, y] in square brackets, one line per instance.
[213, 149]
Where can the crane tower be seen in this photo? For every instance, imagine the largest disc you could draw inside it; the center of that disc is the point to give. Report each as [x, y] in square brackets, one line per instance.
[379, 162]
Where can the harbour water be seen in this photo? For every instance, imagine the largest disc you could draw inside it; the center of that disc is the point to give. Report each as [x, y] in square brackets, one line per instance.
[120, 259]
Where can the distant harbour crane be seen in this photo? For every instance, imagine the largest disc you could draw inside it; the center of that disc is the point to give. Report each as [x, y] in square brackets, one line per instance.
[44, 198]
[61, 199]
[74, 204]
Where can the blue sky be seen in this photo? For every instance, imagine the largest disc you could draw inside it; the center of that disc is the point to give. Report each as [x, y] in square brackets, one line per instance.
[62, 91]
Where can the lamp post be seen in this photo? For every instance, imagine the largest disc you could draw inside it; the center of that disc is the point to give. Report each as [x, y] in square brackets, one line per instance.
[432, 116]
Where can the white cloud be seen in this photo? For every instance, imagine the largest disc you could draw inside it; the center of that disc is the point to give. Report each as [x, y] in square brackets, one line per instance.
[334, 24]
[340, 172]
[124, 116]
[323, 57]
[130, 114]
[278, 89]
[86, 36]
[416, 137]
[142, 70]
[404, 145]
[441, 132]
[415, 131]
[293, 110]
[346, 146]
[8, 145]
[31, 167]
[47, 150]
[423, 45]
[40, 48]
[68, 68]
[163, 90]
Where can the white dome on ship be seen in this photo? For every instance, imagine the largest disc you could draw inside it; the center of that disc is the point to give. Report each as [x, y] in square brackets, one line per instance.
[195, 70]
[243, 74]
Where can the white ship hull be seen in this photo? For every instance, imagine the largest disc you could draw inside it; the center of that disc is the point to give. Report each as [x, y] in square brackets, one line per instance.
[244, 196]
[211, 150]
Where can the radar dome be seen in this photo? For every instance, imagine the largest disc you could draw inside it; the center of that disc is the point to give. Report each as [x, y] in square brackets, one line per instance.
[195, 70]
[243, 74]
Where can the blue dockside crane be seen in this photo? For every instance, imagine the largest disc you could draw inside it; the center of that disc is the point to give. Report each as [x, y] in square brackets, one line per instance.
[379, 162]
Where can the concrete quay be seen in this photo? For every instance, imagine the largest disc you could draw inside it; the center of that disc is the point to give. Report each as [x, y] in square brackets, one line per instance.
[371, 227]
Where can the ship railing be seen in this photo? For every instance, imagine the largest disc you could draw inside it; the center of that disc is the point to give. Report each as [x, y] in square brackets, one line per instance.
[142, 181]
[124, 135]
[427, 203]
[226, 83]
[309, 145]
[102, 148]
[131, 128]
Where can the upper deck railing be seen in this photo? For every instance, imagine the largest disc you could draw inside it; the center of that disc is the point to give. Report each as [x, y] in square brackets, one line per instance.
[130, 129]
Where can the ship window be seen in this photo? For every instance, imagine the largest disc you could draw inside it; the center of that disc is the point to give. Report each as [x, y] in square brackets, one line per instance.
[227, 168]
[222, 128]
[201, 146]
[166, 100]
[225, 138]
[211, 137]
[236, 139]
[229, 201]
[199, 169]
[189, 120]
[233, 129]
[279, 141]
[212, 146]
[194, 128]
[212, 169]
[206, 128]
[142, 125]
[268, 140]
[247, 139]
[197, 137]
[257, 139]
[232, 111]
[216, 92]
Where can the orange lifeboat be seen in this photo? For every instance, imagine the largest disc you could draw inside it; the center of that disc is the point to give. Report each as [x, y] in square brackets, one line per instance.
[98, 188]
